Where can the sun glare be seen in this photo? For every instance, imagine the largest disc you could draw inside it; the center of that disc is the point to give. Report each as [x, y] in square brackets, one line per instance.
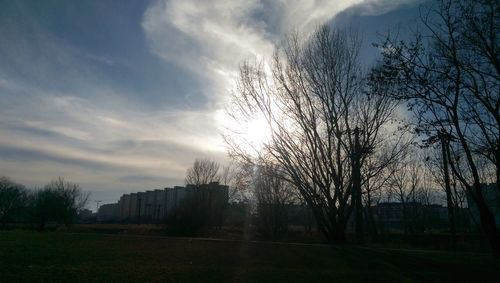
[257, 132]
[249, 135]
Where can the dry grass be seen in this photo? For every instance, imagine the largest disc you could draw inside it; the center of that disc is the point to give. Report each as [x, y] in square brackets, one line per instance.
[27, 256]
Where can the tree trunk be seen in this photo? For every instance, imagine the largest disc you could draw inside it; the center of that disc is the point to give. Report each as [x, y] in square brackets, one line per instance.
[356, 186]
[488, 224]
[338, 234]
[372, 225]
[333, 232]
[449, 202]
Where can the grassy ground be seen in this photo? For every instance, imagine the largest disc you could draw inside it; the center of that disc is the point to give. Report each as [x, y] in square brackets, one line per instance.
[28, 256]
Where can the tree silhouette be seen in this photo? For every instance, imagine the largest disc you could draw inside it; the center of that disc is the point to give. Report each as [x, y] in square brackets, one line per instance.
[203, 171]
[12, 200]
[58, 201]
[450, 77]
[313, 98]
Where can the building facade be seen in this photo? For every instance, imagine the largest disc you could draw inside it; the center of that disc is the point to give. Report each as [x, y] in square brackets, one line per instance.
[156, 205]
[108, 213]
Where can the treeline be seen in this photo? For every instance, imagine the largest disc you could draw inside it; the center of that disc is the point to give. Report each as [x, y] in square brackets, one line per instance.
[57, 202]
[259, 197]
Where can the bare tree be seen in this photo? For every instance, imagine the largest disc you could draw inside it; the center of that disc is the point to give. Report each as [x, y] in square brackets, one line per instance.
[437, 165]
[58, 201]
[12, 199]
[273, 196]
[238, 178]
[404, 184]
[428, 192]
[203, 171]
[450, 76]
[313, 98]
[379, 169]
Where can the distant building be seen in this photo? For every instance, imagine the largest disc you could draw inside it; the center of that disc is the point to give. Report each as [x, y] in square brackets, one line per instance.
[124, 207]
[411, 216]
[156, 205]
[108, 213]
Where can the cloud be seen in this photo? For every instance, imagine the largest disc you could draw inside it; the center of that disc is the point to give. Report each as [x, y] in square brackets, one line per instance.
[380, 7]
[121, 120]
[100, 144]
[211, 38]
[205, 37]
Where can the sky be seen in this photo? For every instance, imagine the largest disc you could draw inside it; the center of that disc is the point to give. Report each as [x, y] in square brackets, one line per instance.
[122, 96]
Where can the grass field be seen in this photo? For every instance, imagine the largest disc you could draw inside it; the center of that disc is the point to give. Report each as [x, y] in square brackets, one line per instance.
[28, 256]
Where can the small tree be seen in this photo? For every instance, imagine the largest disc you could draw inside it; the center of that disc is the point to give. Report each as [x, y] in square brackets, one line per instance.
[203, 171]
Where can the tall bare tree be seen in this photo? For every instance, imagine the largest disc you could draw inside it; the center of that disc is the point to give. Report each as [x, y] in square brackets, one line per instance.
[450, 76]
[313, 98]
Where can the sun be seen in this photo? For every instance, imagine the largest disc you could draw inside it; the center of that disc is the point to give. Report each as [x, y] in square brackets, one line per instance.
[257, 132]
[249, 135]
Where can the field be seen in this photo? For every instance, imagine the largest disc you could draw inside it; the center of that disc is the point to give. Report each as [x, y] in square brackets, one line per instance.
[28, 256]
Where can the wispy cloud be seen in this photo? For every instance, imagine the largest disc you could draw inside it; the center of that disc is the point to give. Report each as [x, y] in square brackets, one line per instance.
[380, 7]
[211, 38]
[113, 139]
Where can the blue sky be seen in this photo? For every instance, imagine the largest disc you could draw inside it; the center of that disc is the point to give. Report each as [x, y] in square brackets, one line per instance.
[122, 96]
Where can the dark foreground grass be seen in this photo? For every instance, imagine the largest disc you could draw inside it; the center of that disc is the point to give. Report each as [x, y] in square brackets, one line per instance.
[27, 256]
